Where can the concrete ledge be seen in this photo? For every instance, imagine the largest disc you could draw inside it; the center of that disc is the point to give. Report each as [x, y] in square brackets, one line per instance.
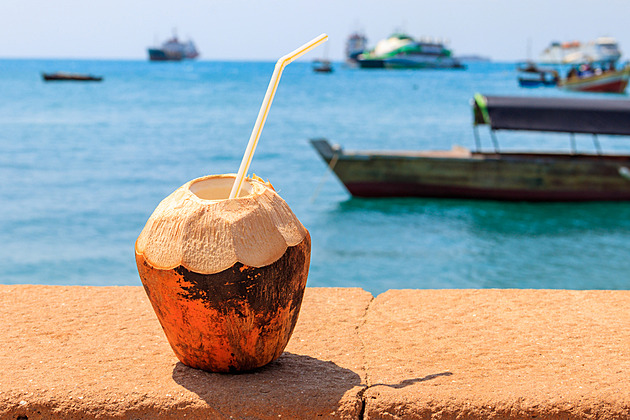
[99, 352]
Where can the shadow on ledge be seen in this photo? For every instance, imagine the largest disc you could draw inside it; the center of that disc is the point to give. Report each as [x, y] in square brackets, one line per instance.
[408, 382]
[293, 386]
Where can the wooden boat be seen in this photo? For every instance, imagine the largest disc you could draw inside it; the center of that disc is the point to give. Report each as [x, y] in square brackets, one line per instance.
[75, 77]
[530, 75]
[496, 175]
[597, 80]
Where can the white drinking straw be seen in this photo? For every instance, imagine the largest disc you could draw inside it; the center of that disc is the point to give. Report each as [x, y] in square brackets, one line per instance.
[264, 109]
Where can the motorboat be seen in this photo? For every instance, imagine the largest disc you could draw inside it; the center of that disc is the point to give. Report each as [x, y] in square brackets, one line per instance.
[401, 51]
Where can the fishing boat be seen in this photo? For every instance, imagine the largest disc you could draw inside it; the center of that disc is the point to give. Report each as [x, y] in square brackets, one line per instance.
[589, 78]
[530, 75]
[600, 50]
[496, 175]
[400, 51]
[173, 50]
[322, 66]
[73, 77]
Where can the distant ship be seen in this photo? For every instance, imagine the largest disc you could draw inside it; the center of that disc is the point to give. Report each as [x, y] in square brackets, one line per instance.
[355, 45]
[173, 50]
[601, 50]
[400, 51]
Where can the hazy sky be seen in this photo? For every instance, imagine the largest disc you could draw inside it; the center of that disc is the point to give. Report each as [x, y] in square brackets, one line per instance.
[268, 29]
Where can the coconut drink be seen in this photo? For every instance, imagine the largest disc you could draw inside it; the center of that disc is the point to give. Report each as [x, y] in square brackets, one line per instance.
[225, 276]
[224, 262]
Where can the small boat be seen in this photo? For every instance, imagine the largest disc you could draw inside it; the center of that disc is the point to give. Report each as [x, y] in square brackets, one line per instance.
[600, 50]
[589, 78]
[173, 50]
[530, 75]
[496, 175]
[73, 77]
[400, 51]
[322, 66]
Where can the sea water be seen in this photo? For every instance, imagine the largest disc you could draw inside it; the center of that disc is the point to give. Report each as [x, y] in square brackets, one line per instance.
[83, 165]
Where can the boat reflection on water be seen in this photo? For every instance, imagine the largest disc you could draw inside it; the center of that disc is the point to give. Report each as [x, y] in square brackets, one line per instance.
[507, 217]
[455, 243]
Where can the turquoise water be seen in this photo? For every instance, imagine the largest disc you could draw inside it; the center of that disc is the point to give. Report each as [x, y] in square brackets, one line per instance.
[82, 166]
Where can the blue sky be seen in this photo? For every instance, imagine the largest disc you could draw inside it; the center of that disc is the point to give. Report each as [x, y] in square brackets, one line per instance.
[267, 29]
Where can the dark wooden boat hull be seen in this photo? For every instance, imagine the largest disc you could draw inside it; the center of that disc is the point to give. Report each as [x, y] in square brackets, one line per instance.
[69, 77]
[495, 176]
[322, 69]
[322, 66]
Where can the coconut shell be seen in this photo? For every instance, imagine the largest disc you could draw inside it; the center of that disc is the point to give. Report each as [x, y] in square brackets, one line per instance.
[241, 316]
[208, 235]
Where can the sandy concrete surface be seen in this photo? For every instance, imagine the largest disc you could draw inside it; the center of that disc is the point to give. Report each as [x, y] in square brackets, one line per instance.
[499, 354]
[99, 352]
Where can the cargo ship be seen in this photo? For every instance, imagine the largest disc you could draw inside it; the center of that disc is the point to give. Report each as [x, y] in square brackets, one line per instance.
[173, 50]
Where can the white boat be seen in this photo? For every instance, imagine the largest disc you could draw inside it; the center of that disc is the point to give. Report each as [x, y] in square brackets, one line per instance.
[601, 50]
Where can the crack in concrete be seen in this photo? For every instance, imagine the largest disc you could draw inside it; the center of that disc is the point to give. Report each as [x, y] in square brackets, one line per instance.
[360, 394]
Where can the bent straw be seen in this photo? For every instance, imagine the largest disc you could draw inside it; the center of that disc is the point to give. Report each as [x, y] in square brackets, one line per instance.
[264, 109]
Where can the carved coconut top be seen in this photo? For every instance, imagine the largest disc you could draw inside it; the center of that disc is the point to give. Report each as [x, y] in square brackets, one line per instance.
[198, 227]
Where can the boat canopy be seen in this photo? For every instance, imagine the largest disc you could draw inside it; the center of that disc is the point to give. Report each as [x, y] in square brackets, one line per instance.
[569, 115]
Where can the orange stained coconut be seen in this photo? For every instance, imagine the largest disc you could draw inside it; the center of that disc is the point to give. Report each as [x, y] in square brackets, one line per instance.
[225, 276]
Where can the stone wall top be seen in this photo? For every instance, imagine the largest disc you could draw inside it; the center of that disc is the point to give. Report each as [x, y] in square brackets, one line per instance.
[99, 352]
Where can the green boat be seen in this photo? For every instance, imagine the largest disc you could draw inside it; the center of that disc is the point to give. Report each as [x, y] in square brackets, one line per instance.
[400, 51]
